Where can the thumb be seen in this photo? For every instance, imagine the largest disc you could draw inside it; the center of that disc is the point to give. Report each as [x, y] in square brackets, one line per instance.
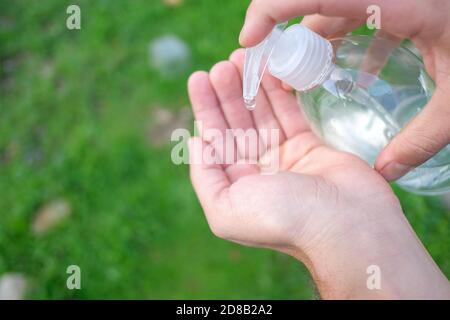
[422, 138]
[331, 27]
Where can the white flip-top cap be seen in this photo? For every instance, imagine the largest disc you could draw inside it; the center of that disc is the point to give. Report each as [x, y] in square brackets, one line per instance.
[298, 56]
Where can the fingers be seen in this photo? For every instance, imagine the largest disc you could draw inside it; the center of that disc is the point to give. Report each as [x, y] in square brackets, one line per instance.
[217, 104]
[285, 107]
[423, 137]
[211, 121]
[264, 120]
[398, 17]
[205, 104]
[226, 82]
[262, 15]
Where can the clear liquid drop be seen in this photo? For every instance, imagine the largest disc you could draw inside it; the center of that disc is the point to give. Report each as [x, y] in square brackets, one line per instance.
[250, 104]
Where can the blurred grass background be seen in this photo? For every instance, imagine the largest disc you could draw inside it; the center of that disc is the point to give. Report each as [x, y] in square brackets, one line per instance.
[77, 125]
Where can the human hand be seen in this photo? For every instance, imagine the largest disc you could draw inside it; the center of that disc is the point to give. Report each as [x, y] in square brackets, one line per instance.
[327, 208]
[425, 22]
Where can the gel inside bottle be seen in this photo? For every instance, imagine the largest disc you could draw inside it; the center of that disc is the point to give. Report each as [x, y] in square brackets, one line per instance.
[357, 93]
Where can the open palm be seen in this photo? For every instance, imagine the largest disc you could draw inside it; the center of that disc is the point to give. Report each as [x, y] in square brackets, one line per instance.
[317, 195]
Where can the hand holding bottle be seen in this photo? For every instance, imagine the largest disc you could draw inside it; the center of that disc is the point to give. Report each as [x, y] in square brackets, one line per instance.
[426, 23]
[327, 208]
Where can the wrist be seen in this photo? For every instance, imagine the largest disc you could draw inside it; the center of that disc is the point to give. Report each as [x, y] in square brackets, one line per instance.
[379, 259]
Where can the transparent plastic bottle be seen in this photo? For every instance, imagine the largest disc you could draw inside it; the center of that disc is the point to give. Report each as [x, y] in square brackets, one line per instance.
[357, 92]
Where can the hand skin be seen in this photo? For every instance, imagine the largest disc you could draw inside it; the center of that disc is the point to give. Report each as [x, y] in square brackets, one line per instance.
[425, 22]
[327, 208]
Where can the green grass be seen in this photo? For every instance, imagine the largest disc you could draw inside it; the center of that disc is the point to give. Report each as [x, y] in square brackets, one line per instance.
[75, 107]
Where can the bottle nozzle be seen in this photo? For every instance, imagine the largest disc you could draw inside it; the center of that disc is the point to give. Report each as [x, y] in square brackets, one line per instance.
[297, 56]
[256, 59]
[250, 103]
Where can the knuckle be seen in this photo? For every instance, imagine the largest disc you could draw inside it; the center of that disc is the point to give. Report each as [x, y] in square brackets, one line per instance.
[420, 143]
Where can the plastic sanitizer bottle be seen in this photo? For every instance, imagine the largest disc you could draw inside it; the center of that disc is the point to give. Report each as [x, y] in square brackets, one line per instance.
[357, 93]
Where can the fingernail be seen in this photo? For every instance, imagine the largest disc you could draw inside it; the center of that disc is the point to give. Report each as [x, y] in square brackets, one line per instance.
[393, 170]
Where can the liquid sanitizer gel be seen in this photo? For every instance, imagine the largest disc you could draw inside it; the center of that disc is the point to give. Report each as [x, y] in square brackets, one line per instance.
[357, 93]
